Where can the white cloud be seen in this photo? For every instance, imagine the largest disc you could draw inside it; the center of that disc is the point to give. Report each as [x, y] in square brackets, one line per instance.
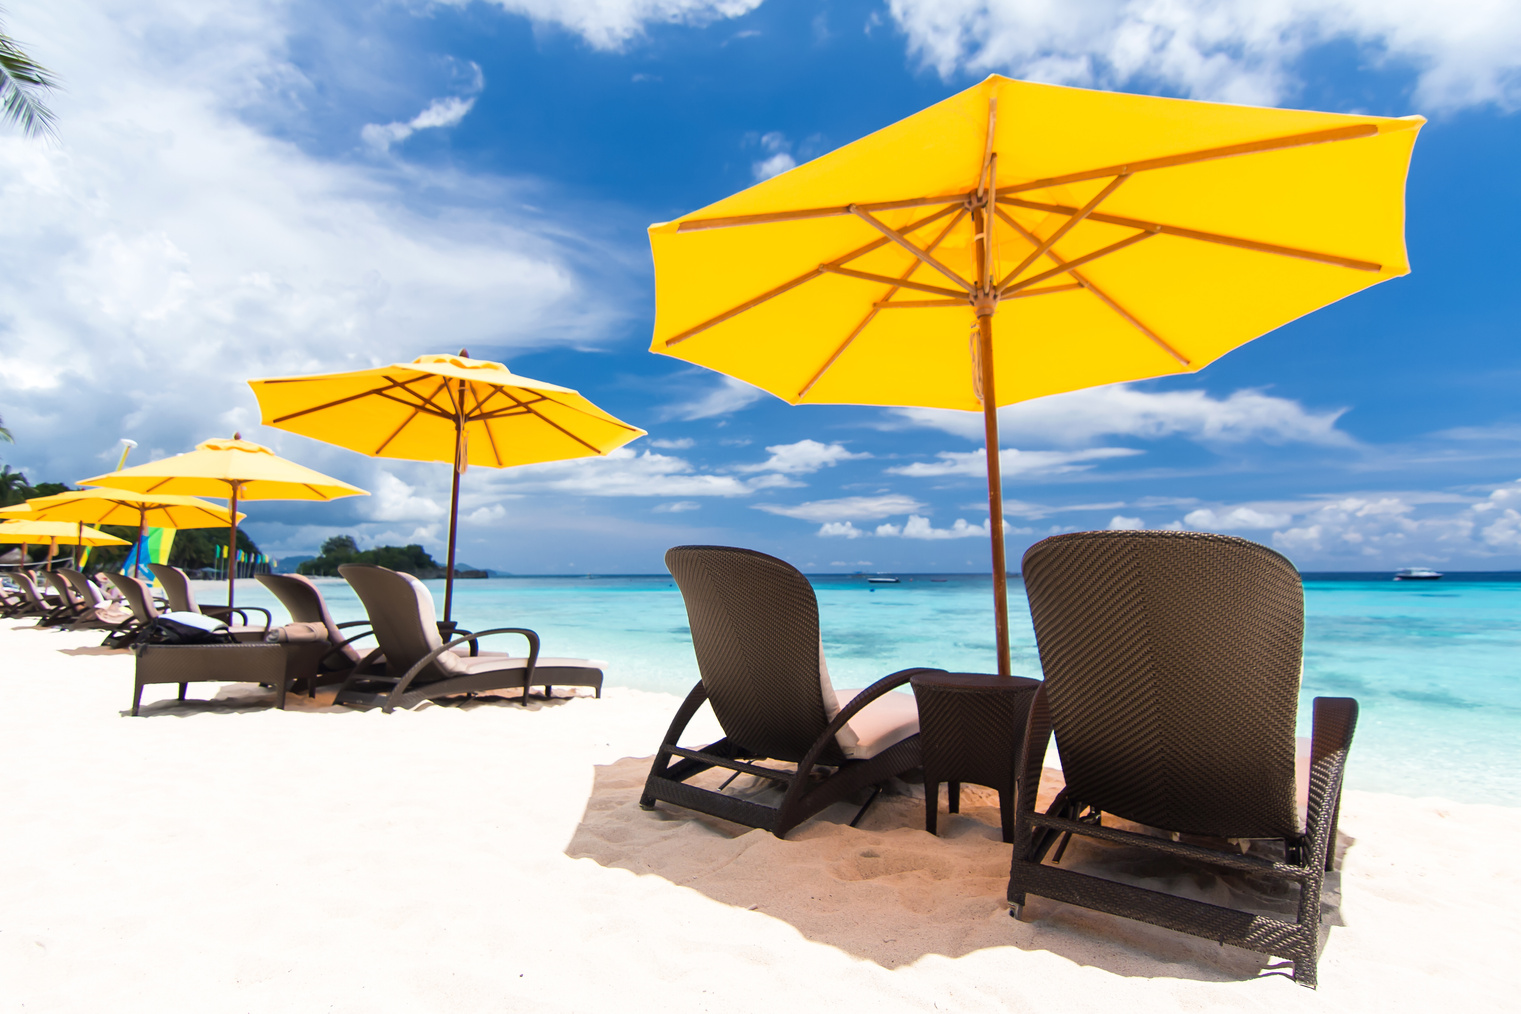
[445, 112]
[778, 158]
[488, 515]
[677, 507]
[1014, 462]
[919, 527]
[166, 249]
[612, 24]
[840, 529]
[1120, 522]
[684, 443]
[394, 500]
[802, 458]
[850, 508]
[1080, 417]
[625, 472]
[729, 396]
[1235, 50]
[1235, 519]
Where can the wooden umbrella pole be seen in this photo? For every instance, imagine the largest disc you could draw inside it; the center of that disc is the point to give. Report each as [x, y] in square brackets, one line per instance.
[995, 491]
[232, 547]
[459, 440]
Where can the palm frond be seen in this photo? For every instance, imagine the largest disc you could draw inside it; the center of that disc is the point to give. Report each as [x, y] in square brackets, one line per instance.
[21, 78]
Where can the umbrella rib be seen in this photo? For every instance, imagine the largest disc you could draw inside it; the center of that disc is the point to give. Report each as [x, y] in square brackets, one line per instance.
[749, 304]
[1045, 290]
[904, 304]
[697, 224]
[1066, 227]
[1103, 297]
[1205, 155]
[544, 418]
[1075, 262]
[333, 404]
[1206, 237]
[872, 313]
[428, 402]
[897, 237]
[590, 415]
[867, 276]
[490, 437]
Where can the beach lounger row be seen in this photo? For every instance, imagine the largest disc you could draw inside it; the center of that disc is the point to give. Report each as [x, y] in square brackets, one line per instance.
[1171, 665]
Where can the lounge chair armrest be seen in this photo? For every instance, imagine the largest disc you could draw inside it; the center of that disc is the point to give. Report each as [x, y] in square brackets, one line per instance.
[427, 660]
[352, 623]
[859, 701]
[1334, 723]
[684, 714]
[337, 649]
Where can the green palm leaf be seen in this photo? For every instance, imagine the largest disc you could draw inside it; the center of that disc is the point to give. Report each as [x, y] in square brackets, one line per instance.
[21, 78]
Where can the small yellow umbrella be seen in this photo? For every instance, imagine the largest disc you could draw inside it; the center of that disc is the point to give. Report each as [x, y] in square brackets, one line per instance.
[27, 532]
[1018, 240]
[105, 506]
[235, 469]
[443, 408]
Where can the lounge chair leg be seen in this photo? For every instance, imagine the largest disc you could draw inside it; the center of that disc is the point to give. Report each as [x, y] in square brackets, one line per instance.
[931, 806]
[182, 690]
[1006, 811]
[953, 797]
[137, 699]
[875, 790]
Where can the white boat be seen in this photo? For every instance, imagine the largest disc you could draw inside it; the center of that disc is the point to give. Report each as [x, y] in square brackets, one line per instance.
[1416, 574]
[882, 580]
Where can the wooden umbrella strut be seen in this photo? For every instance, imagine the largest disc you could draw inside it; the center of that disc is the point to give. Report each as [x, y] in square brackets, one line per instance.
[459, 452]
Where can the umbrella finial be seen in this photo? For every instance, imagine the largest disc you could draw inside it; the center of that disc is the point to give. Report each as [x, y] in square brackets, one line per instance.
[237, 435]
[464, 353]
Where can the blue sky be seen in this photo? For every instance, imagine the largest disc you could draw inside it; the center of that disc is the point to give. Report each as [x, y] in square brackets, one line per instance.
[251, 189]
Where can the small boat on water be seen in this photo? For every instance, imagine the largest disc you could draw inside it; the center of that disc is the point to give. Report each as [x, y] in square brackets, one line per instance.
[1416, 574]
[882, 580]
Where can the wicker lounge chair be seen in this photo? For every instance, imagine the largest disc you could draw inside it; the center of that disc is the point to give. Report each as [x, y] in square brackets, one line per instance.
[70, 605]
[1172, 663]
[45, 606]
[139, 601]
[330, 657]
[755, 631]
[97, 614]
[421, 666]
[182, 600]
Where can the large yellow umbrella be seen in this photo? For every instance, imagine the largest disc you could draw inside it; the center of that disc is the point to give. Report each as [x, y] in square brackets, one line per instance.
[235, 469]
[106, 506]
[443, 408]
[1018, 240]
[28, 532]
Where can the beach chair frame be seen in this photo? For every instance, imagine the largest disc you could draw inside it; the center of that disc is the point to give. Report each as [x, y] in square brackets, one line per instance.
[1172, 664]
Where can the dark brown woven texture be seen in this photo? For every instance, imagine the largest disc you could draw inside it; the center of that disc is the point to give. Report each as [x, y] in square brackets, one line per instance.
[755, 631]
[1172, 664]
[1172, 675]
[181, 596]
[204, 663]
[971, 727]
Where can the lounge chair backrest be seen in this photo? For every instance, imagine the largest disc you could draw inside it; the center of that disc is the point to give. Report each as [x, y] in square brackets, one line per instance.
[176, 587]
[83, 587]
[755, 630]
[66, 594]
[301, 598]
[1172, 665]
[138, 596]
[401, 612]
[30, 589]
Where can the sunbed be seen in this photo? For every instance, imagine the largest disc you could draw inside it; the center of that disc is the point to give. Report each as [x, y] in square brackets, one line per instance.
[755, 631]
[420, 666]
[332, 655]
[97, 614]
[181, 598]
[1172, 664]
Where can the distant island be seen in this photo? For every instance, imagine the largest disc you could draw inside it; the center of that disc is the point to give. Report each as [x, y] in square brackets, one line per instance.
[414, 560]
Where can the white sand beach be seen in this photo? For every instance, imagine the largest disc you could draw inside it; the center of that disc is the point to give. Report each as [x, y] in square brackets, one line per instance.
[225, 856]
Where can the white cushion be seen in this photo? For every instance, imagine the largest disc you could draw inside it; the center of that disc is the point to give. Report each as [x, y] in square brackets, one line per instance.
[885, 722]
[491, 661]
[846, 737]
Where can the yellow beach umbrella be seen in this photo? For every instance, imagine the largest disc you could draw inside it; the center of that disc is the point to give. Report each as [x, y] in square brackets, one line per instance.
[106, 506]
[1018, 240]
[235, 469]
[29, 532]
[443, 408]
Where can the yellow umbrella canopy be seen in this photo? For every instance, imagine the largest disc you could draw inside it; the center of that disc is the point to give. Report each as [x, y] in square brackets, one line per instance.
[1018, 240]
[27, 532]
[443, 408]
[106, 506]
[235, 469]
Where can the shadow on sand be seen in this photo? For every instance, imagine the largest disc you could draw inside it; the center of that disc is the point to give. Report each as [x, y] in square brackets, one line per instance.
[891, 893]
[244, 698]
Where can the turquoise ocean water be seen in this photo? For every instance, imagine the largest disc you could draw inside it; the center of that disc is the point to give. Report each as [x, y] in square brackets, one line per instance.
[1435, 666]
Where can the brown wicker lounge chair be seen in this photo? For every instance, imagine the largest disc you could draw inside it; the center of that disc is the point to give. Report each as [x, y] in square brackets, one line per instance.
[420, 666]
[318, 651]
[42, 605]
[755, 631]
[182, 600]
[1172, 663]
[139, 601]
[97, 614]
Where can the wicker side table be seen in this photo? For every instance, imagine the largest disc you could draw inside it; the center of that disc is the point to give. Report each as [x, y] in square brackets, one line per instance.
[971, 726]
